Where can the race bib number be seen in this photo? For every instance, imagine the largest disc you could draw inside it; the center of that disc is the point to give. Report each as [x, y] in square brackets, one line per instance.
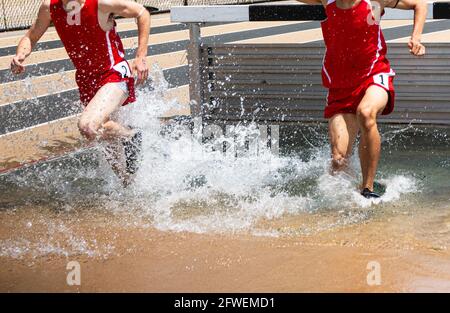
[382, 79]
[123, 68]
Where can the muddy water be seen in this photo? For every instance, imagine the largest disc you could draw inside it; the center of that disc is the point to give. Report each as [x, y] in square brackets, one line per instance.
[55, 208]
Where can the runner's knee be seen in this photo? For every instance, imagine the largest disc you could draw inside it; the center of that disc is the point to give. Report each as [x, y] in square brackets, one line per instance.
[366, 117]
[88, 128]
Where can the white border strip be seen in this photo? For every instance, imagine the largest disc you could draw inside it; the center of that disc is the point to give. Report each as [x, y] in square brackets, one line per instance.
[212, 13]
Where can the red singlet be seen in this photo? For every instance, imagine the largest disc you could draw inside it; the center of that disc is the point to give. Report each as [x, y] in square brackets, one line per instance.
[355, 58]
[98, 55]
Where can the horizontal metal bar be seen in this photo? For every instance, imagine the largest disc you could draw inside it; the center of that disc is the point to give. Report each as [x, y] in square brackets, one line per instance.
[245, 13]
[200, 14]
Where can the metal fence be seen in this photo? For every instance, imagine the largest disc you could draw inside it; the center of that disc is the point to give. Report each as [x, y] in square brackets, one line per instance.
[20, 14]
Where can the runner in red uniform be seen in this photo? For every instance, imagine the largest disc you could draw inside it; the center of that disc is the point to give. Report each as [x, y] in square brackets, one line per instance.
[359, 77]
[96, 53]
[104, 78]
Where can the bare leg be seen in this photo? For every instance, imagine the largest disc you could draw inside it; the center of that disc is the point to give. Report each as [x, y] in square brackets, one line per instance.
[114, 155]
[342, 130]
[95, 123]
[374, 102]
[95, 120]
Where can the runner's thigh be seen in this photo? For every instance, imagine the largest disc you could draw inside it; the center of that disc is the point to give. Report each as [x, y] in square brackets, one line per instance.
[108, 99]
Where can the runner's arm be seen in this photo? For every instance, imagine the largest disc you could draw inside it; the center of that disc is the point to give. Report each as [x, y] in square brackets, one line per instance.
[133, 10]
[420, 16]
[27, 43]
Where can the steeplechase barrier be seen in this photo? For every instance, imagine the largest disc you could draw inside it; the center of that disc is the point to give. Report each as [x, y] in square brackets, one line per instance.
[281, 83]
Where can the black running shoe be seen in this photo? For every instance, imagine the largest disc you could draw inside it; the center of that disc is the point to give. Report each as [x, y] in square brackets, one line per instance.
[133, 150]
[366, 193]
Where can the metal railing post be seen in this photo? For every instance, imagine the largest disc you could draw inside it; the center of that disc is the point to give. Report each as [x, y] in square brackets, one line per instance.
[195, 75]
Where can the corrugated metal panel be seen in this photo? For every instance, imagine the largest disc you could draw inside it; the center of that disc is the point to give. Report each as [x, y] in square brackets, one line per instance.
[282, 83]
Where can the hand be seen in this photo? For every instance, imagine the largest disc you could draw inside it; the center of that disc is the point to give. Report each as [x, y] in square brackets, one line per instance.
[17, 64]
[415, 47]
[140, 68]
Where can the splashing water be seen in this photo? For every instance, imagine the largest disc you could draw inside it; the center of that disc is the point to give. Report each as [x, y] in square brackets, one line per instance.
[186, 185]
